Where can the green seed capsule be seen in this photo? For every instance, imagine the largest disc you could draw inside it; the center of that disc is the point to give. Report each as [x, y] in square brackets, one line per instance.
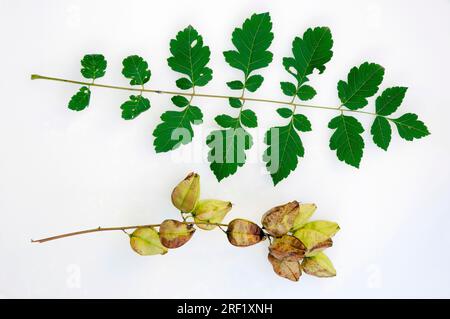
[210, 211]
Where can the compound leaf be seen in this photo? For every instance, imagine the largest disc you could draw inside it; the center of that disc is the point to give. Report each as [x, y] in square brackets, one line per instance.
[362, 82]
[134, 106]
[346, 139]
[136, 69]
[80, 100]
[176, 128]
[409, 127]
[94, 66]
[190, 57]
[251, 43]
[227, 150]
[381, 132]
[284, 149]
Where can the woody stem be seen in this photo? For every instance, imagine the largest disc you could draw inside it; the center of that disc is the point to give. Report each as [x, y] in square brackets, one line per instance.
[121, 228]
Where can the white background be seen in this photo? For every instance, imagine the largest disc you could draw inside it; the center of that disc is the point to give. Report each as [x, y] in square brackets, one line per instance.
[63, 171]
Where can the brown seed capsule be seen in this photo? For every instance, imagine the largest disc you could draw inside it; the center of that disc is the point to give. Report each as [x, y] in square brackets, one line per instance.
[186, 194]
[210, 211]
[174, 233]
[244, 233]
[287, 248]
[280, 219]
[287, 269]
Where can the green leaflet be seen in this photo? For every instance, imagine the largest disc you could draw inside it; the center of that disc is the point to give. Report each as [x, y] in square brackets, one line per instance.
[136, 69]
[285, 112]
[183, 83]
[410, 127]
[176, 128]
[311, 52]
[389, 101]
[190, 57]
[227, 150]
[94, 66]
[346, 139]
[362, 82]
[134, 106]
[288, 88]
[248, 119]
[254, 82]
[251, 42]
[306, 92]
[235, 85]
[180, 101]
[226, 121]
[80, 100]
[381, 132]
[235, 102]
[284, 149]
[301, 123]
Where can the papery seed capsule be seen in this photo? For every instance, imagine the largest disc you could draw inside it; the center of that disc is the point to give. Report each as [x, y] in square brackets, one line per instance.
[314, 241]
[186, 194]
[145, 241]
[319, 266]
[306, 210]
[284, 268]
[287, 248]
[210, 211]
[243, 233]
[280, 219]
[174, 233]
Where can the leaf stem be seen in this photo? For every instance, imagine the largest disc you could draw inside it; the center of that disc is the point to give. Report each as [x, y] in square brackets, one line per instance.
[121, 228]
[215, 96]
